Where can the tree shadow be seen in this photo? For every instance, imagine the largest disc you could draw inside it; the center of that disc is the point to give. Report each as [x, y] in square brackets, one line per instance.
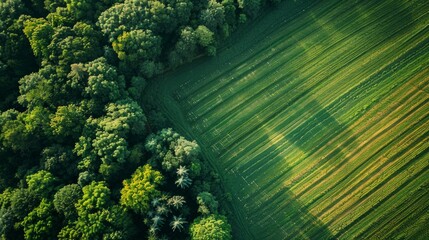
[270, 210]
[307, 135]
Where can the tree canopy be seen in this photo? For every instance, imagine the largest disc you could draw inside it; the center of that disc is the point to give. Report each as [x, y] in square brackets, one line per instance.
[212, 227]
[141, 189]
[84, 153]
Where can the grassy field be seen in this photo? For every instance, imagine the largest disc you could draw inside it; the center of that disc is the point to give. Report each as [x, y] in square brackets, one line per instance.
[316, 117]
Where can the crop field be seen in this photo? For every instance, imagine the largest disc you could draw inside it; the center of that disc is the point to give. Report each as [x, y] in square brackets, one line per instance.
[316, 116]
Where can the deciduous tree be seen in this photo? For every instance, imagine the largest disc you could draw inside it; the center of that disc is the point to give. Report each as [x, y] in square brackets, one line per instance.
[139, 191]
[41, 223]
[207, 203]
[98, 218]
[42, 183]
[213, 227]
[67, 122]
[104, 83]
[65, 200]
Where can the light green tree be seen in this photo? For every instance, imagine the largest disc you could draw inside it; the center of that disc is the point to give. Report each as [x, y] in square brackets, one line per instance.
[39, 33]
[104, 83]
[212, 227]
[97, 218]
[206, 39]
[40, 224]
[42, 183]
[138, 191]
[112, 150]
[68, 121]
[137, 45]
[124, 118]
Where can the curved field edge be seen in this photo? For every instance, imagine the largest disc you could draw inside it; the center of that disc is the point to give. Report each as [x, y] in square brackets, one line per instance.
[315, 116]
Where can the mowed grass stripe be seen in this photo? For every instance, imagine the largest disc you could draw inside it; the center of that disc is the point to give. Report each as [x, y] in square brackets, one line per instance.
[353, 213]
[271, 62]
[376, 190]
[238, 130]
[333, 192]
[397, 210]
[384, 167]
[261, 104]
[290, 41]
[330, 138]
[298, 116]
[195, 88]
[345, 172]
[317, 180]
[375, 130]
[289, 168]
[392, 111]
[382, 205]
[366, 207]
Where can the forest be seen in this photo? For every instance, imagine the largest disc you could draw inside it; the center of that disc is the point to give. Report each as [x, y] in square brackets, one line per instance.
[83, 155]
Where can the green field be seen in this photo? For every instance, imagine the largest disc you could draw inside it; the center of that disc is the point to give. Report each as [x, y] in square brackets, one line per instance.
[316, 117]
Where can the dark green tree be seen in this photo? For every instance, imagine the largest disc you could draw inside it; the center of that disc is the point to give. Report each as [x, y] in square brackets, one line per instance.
[65, 200]
[72, 45]
[15, 51]
[112, 151]
[14, 135]
[250, 7]
[60, 160]
[213, 16]
[25, 132]
[138, 84]
[186, 47]
[207, 203]
[104, 83]
[22, 201]
[98, 217]
[87, 9]
[52, 5]
[172, 151]
[67, 122]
